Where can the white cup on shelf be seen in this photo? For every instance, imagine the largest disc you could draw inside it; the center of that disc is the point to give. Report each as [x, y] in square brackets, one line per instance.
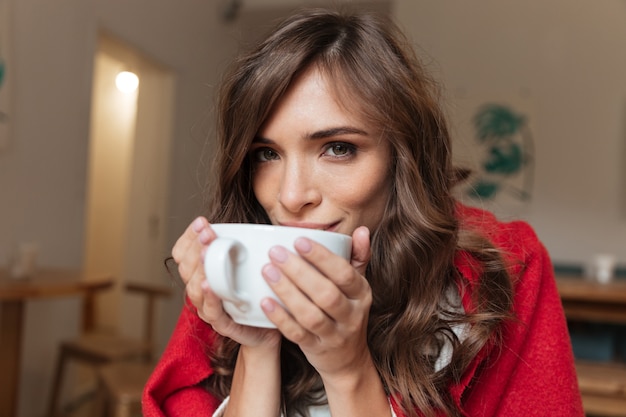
[602, 267]
[24, 261]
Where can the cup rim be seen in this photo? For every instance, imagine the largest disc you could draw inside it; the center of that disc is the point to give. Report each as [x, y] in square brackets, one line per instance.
[264, 226]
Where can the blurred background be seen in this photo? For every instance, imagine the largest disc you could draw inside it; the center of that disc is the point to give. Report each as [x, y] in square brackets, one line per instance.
[106, 180]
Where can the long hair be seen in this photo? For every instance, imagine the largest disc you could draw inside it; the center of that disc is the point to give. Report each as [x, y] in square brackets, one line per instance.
[374, 71]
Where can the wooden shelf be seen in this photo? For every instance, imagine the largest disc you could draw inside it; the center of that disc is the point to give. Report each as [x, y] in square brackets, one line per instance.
[602, 385]
[603, 406]
[591, 301]
[603, 388]
[607, 379]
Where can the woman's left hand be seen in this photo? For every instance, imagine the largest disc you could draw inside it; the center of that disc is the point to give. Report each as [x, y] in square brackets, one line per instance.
[327, 303]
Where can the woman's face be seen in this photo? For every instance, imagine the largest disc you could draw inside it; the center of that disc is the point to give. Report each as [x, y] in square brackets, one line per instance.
[318, 165]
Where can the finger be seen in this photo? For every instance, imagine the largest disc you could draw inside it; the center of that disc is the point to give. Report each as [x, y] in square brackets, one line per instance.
[210, 309]
[315, 301]
[192, 260]
[335, 268]
[304, 303]
[189, 262]
[195, 283]
[192, 266]
[189, 236]
[185, 251]
[361, 249]
[283, 320]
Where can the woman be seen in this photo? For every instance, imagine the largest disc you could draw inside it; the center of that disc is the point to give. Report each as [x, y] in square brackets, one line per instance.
[332, 123]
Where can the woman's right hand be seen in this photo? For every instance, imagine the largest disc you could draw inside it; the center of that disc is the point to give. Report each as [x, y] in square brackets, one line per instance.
[188, 253]
[255, 389]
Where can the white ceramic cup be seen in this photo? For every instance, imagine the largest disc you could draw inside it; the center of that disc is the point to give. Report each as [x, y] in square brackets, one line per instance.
[603, 266]
[233, 263]
[24, 262]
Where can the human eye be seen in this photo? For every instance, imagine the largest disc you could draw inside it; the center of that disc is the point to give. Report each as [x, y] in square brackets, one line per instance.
[264, 155]
[339, 150]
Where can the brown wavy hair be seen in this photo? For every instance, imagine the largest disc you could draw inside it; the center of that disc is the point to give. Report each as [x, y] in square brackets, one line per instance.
[375, 71]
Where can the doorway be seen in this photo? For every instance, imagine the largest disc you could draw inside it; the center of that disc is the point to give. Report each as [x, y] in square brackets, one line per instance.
[128, 168]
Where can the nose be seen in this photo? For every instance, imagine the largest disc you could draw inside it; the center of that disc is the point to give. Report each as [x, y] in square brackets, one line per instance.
[298, 189]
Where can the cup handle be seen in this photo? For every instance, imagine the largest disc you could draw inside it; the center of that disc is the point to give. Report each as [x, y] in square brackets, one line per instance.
[220, 261]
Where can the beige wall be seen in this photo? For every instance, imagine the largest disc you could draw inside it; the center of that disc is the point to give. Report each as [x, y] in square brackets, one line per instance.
[564, 61]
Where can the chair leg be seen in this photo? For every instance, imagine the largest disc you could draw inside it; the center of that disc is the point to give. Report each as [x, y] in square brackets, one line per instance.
[122, 410]
[57, 385]
[102, 400]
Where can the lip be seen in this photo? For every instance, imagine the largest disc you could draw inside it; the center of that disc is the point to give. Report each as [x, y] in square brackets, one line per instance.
[329, 227]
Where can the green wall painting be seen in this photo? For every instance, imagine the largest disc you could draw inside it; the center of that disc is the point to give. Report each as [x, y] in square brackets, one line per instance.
[506, 165]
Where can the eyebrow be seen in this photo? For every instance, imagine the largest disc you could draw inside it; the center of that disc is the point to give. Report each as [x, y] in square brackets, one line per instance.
[322, 134]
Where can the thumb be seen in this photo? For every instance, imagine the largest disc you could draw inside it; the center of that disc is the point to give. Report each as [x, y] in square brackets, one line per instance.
[361, 251]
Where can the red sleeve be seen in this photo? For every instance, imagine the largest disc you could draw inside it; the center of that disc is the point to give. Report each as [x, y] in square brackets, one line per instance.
[532, 373]
[173, 389]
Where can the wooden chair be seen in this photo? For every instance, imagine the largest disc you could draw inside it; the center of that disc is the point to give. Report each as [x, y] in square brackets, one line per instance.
[121, 388]
[98, 349]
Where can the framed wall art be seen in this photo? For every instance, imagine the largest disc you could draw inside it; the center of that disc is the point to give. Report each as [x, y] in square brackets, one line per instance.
[495, 142]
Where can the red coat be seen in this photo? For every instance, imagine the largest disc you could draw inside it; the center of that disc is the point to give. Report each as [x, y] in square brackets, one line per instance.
[532, 374]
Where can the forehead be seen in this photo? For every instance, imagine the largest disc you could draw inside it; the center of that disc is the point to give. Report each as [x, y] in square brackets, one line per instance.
[316, 100]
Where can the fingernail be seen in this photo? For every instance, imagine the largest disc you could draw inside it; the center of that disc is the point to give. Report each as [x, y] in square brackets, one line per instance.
[204, 236]
[303, 245]
[278, 254]
[271, 273]
[267, 305]
[197, 225]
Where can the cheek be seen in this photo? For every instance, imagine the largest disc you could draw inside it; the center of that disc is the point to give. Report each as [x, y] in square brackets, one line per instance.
[367, 195]
[262, 186]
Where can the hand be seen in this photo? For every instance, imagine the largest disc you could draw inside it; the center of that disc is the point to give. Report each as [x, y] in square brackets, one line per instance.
[328, 301]
[188, 253]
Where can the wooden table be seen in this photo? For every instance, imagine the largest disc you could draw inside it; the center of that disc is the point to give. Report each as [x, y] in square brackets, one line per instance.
[602, 385]
[46, 283]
